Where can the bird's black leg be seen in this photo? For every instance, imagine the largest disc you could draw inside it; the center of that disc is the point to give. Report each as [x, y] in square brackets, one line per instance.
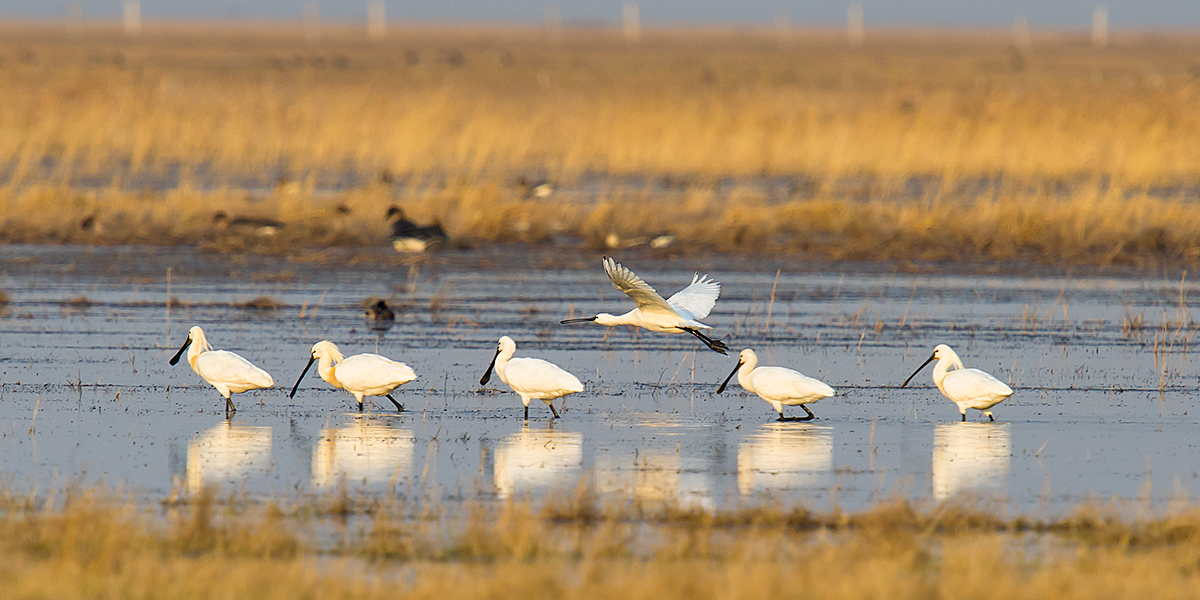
[526, 412]
[714, 345]
[360, 403]
[229, 407]
[964, 417]
[781, 416]
[552, 410]
[399, 407]
[991, 418]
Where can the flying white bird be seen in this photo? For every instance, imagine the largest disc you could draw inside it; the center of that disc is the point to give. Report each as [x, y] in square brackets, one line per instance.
[531, 378]
[777, 385]
[968, 388]
[226, 371]
[361, 374]
[678, 314]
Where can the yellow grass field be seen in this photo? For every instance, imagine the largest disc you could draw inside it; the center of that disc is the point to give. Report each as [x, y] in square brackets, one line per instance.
[96, 544]
[1061, 153]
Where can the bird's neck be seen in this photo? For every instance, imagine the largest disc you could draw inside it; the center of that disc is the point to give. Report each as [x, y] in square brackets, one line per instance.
[327, 369]
[502, 365]
[199, 346]
[629, 318]
[944, 367]
[744, 372]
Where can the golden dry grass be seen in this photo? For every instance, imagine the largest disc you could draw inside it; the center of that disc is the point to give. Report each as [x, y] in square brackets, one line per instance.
[97, 544]
[1061, 154]
[460, 102]
[1088, 227]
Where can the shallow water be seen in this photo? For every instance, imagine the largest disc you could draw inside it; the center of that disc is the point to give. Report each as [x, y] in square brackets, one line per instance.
[87, 396]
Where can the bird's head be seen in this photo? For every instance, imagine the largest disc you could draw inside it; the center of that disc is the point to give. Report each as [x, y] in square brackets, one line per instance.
[326, 349]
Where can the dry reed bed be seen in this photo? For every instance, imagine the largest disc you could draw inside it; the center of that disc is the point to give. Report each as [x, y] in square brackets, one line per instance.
[95, 543]
[1093, 226]
[461, 102]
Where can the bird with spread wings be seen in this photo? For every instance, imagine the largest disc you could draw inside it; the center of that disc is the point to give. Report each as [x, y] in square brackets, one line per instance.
[681, 313]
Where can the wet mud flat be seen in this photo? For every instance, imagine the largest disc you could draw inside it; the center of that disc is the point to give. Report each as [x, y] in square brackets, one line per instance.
[1102, 367]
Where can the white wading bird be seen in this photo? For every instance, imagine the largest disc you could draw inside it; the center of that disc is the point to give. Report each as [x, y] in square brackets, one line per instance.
[531, 378]
[777, 385]
[361, 374]
[678, 314]
[226, 371]
[968, 388]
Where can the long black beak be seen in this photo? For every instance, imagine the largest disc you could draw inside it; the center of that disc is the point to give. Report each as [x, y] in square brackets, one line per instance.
[931, 358]
[487, 376]
[583, 320]
[302, 374]
[726, 382]
[175, 359]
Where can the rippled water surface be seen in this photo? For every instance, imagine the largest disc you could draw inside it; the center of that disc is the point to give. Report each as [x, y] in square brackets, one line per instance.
[1102, 367]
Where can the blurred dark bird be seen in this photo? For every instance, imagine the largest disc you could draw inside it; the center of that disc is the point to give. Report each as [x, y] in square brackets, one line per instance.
[534, 188]
[410, 237]
[379, 311]
[247, 225]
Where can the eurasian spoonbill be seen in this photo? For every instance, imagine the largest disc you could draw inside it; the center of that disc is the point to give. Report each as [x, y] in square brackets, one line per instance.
[226, 371]
[777, 385]
[968, 388]
[361, 374]
[410, 237]
[678, 314]
[531, 378]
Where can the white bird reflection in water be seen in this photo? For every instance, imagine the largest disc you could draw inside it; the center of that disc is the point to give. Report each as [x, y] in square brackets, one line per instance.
[371, 452]
[654, 475]
[783, 456]
[227, 453]
[536, 459]
[970, 457]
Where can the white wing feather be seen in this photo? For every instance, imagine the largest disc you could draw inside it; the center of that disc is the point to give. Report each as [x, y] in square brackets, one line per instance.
[779, 384]
[232, 370]
[696, 300]
[973, 385]
[373, 373]
[642, 294]
[540, 379]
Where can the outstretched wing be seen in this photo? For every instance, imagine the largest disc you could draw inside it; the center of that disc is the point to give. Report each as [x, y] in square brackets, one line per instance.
[696, 300]
[643, 295]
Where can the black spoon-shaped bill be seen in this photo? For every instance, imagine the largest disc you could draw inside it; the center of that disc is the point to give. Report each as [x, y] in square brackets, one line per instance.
[731, 374]
[184, 347]
[583, 320]
[487, 375]
[929, 360]
[311, 359]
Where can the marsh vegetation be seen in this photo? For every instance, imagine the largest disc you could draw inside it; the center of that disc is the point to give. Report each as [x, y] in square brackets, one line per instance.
[915, 146]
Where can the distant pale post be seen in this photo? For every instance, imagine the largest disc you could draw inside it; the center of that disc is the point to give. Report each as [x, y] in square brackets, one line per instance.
[133, 17]
[855, 27]
[74, 14]
[376, 20]
[783, 28]
[311, 15]
[1021, 32]
[554, 22]
[632, 22]
[1100, 26]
